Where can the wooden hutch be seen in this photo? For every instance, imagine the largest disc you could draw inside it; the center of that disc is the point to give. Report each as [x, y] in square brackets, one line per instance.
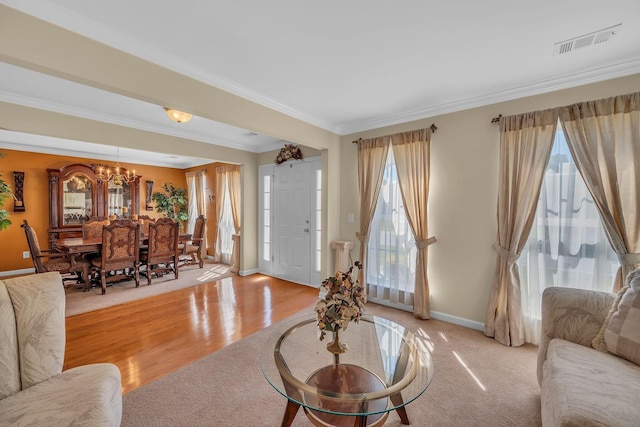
[77, 192]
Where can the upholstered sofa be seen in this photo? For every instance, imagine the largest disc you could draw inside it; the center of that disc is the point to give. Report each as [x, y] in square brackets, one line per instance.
[582, 386]
[33, 389]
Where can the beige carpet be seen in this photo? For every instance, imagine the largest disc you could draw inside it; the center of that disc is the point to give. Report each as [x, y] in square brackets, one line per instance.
[477, 382]
[79, 301]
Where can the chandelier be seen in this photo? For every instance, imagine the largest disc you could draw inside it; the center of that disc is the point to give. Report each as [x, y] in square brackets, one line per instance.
[177, 116]
[115, 176]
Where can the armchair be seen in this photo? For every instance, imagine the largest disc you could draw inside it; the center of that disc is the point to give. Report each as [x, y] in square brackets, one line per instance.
[579, 385]
[34, 391]
[47, 260]
[193, 249]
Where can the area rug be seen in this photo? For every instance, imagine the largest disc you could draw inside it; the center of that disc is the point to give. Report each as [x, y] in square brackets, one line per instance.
[79, 301]
[477, 382]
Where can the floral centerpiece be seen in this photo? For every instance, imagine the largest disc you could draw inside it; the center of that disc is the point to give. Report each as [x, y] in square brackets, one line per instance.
[343, 303]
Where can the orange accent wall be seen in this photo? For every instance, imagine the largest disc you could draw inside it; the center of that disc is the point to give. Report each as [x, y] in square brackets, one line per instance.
[36, 197]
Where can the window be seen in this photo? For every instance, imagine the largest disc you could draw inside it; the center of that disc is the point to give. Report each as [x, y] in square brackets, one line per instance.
[318, 221]
[391, 259]
[266, 218]
[567, 245]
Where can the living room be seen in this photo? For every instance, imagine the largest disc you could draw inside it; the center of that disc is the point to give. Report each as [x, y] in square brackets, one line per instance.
[464, 152]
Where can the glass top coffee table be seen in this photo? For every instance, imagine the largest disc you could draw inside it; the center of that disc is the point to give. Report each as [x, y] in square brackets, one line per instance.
[385, 368]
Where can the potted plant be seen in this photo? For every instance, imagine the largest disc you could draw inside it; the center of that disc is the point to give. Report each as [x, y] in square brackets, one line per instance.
[5, 193]
[172, 203]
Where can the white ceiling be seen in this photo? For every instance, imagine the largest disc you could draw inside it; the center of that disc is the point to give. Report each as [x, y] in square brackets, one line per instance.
[345, 66]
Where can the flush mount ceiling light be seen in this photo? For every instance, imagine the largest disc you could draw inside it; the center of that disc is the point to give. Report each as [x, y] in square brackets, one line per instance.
[178, 116]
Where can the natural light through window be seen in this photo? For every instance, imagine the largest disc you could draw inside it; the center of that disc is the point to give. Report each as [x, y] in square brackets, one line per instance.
[392, 251]
[567, 245]
[469, 371]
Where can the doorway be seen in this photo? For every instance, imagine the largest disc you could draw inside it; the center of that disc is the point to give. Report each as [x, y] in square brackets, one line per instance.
[289, 224]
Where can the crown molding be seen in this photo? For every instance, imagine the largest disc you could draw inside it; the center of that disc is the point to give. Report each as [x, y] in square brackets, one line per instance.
[545, 86]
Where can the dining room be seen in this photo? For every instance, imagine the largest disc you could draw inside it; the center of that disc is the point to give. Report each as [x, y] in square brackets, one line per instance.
[58, 194]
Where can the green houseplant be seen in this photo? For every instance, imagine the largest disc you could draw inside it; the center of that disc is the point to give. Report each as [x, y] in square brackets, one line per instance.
[5, 193]
[172, 202]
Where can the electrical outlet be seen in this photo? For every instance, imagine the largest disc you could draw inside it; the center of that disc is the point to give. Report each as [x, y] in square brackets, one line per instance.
[25, 254]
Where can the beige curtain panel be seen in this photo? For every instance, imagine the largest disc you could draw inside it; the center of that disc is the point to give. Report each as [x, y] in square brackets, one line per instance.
[197, 179]
[604, 139]
[525, 147]
[233, 177]
[411, 151]
[372, 155]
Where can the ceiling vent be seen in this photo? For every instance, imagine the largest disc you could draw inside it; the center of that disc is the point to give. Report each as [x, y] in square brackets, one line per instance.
[250, 134]
[591, 39]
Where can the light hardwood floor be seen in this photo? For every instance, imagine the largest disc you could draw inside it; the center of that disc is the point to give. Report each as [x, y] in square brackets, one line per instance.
[152, 337]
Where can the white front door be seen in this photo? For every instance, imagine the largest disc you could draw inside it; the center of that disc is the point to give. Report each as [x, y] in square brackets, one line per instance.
[292, 222]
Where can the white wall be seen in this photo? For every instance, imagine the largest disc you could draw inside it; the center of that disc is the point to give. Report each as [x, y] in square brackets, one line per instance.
[463, 197]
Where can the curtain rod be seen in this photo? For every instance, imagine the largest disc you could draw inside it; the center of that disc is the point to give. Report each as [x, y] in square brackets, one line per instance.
[433, 128]
[496, 119]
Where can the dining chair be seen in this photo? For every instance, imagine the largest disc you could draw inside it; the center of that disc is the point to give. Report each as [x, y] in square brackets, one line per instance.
[46, 260]
[162, 254]
[146, 221]
[92, 228]
[191, 251]
[119, 258]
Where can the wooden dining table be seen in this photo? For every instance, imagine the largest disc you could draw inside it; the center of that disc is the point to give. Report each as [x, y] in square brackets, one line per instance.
[79, 246]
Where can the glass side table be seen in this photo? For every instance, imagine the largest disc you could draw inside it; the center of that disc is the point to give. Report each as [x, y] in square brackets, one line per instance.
[385, 368]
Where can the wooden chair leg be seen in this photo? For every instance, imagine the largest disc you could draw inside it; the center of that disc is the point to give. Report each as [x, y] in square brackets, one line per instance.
[103, 279]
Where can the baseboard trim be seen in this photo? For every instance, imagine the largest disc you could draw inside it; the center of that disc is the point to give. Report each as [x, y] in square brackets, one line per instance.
[247, 272]
[17, 272]
[461, 321]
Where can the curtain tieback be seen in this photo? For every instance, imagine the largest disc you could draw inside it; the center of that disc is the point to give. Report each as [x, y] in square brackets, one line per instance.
[421, 244]
[363, 239]
[510, 257]
[629, 259]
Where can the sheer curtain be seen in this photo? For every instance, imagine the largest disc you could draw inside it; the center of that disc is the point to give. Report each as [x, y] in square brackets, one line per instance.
[391, 247]
[227, 211]
[525, 147]
[196, 184]
[604, 139]
[412, 157]
[567, 245]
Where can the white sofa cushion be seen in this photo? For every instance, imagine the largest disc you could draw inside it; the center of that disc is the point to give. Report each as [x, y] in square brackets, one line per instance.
[584, 387]
[88, 395]
[39, 307]
[620, 333]
[9, 364]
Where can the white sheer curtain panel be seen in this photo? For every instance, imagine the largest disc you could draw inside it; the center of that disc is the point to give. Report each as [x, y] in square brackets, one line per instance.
[567, 245]
[196, 183]
[392, 252]
[227, 211]
[604, 139]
